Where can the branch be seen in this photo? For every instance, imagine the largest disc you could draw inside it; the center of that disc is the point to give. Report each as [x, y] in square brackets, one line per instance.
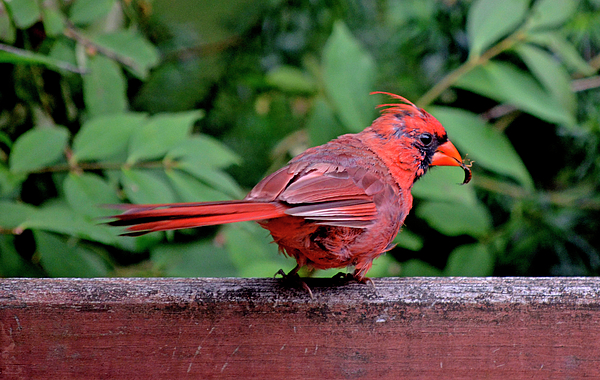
[74, 34]
[469, 65]
[35, 58]
[566, 198]
[98, 166]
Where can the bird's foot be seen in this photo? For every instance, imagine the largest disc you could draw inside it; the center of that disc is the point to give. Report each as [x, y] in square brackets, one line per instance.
[352, 277]
[342, 277]
[292, 278]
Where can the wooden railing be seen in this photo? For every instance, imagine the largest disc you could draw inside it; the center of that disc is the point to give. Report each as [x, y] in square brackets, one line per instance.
[417, 328]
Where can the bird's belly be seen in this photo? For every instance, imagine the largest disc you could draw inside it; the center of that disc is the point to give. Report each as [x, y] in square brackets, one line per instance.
[325, 247]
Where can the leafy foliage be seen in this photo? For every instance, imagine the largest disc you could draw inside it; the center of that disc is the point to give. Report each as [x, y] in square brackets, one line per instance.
[110, 101]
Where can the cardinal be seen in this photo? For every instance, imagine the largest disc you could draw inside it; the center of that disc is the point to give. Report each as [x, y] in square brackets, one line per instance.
[336, 205]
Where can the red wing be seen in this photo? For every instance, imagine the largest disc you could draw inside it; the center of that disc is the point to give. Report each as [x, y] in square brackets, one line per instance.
[271, 186]
[349, 213]
[326, 193]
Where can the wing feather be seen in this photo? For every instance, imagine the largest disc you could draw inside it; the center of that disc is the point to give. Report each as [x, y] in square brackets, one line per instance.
[329, 194]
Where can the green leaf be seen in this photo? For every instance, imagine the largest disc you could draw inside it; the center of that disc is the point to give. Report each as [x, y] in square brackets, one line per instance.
[198, 259]
[291, 79]
[11, 263]
[104, 137]
[144, 187]
[551, 13]
[135, 51]
[61, 258]
[160, 134]
[8, 33]
[559, 45]
[13, 215]
[204, 150]
[398, 14]
[4, 139]
[489, 20]
[55, 217]
[551, 74]
[384, 266]
[9, 182]
[179, 85]
[251, 251]
[190, 189]
[455, 219]
[322, 124]
[505, 83]
[59, 217]
[87, 192]
[474, 260]
[63, 51]
[37, 148]
[408, 240]
[348, 75]
[53, 20]
[217, 179]
[487, 146]
[24, 12]
[104, 87]
[88, 11]
[418, 268]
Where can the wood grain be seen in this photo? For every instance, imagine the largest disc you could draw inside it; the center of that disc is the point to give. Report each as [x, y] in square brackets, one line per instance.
[418, 328]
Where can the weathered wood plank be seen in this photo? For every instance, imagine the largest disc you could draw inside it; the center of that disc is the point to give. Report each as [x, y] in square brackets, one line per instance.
[425, 328]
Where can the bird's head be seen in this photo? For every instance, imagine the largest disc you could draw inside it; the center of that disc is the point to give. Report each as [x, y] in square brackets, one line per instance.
[414, 139]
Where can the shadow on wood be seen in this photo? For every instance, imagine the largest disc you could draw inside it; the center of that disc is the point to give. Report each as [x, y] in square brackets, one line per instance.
[425, 328]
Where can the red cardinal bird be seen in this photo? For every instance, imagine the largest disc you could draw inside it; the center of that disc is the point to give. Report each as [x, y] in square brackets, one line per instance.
[335, 205]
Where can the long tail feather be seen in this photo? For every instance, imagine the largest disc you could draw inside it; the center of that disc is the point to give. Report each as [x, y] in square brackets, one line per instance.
[142, 219]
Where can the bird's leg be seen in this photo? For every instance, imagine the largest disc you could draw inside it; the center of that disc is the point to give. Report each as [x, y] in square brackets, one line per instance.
[366, 280]
[293, 277]
[359, 275]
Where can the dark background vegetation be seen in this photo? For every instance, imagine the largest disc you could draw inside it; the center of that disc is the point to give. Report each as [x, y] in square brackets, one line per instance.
[106, 101]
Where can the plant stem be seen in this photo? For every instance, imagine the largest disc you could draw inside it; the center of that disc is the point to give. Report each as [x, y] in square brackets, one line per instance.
[469, 65]
[445, 83]
[98, 166]
[557, 198]
[75, 35]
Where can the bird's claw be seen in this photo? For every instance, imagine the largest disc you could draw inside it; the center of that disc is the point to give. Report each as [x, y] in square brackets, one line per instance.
[280, 272]
[294, 278]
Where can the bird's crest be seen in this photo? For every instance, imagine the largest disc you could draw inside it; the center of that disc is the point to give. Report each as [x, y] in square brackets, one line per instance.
[406, 104]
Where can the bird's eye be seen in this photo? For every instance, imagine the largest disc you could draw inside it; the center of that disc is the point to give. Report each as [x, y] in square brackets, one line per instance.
[426, 139]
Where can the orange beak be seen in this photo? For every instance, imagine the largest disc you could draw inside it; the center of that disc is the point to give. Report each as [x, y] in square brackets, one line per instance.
[447, 155]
